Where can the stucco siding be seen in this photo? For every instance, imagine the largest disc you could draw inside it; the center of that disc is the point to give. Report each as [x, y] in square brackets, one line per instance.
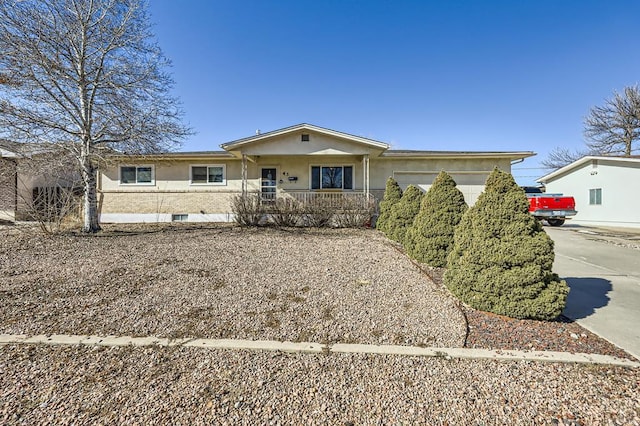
[172, 176]
[620, 193]
[318, 144]
[470, 175]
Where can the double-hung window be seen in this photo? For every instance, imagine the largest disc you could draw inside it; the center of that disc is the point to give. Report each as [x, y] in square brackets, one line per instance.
[331, 177]
[136, 175]
[212, 174]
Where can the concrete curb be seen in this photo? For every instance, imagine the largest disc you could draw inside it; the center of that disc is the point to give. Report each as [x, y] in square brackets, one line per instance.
[316, 348]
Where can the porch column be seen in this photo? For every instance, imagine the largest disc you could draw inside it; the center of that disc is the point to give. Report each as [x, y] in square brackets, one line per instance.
[365, 170]
[244, 175]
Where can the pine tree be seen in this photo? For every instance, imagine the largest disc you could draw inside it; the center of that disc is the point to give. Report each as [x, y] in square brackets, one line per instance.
[392, 194]
[501, 260]
[430, 238]
[403, 214]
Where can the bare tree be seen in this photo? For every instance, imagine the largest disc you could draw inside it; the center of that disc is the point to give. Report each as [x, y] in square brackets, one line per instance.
[611, 129]
[560, 157]
[85, 76]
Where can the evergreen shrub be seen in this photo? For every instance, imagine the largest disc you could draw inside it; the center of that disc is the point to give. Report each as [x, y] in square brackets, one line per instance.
[403, 214]
[430, 238]
[501, 260]
[392, 194]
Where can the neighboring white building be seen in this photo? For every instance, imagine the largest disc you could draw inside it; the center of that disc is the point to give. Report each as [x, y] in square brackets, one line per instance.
[606, 189]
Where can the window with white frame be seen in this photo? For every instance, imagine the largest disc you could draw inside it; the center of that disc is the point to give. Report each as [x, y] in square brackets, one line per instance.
[331, 177]
[595, 196]
[210, 174]
[136, 175]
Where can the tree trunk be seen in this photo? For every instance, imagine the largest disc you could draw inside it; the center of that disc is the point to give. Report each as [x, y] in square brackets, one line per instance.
[91, 224]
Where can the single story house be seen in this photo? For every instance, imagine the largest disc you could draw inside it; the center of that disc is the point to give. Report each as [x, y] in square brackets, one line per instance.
[300, 161]
[606, 189]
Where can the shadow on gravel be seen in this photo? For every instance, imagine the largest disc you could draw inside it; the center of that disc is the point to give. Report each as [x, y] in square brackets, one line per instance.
[586, 295]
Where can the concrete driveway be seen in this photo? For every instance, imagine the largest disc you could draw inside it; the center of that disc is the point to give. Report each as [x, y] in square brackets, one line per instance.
[602, 268]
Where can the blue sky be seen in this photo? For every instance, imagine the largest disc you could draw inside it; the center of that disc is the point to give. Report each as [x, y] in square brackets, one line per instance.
[433, 75]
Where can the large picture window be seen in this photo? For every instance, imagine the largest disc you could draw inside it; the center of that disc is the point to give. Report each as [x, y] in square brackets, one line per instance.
[213, 174]
[331, 177]
[136, 175]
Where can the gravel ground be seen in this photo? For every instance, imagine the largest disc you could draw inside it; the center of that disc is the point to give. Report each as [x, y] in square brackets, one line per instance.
[348, 286]
[80, 385]
[324, 286]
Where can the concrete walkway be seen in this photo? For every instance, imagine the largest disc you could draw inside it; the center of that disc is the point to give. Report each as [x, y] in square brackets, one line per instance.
[603, 272]
[310, 347]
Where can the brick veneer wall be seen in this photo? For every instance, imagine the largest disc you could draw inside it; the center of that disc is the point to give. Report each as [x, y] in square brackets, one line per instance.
[166, 202]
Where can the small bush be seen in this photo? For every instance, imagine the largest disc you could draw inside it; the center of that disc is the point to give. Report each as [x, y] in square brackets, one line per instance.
[286, 212]
[430, 238]
[403, 214]
[318, 212]
[247, 209]
[354, 213]
[501, 260]
[392, 194]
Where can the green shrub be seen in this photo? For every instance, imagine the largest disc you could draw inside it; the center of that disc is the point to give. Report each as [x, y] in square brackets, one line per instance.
[501, 260]
[392, 194]
[403, 213]
[430, 238]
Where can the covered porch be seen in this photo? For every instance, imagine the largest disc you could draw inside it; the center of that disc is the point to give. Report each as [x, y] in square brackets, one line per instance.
[333, 180]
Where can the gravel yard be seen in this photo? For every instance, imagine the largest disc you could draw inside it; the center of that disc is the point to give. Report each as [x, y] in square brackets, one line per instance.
[348, 286]
[81, 385]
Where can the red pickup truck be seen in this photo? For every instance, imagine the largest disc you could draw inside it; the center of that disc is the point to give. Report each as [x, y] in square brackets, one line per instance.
[554, 208]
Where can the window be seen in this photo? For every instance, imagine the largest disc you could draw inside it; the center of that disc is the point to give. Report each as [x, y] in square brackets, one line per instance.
[595, 196]
[179, 217]
[213, 174]
[304, 137]
[332, 177]
[132, 175]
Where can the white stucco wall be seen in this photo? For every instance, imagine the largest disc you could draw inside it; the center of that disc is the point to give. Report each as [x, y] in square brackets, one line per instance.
[620, 184]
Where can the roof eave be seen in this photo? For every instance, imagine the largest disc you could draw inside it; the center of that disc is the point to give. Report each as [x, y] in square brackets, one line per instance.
[581, 161]
[457, 154]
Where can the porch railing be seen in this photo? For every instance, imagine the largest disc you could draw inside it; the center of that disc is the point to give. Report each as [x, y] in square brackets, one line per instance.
[329, 199]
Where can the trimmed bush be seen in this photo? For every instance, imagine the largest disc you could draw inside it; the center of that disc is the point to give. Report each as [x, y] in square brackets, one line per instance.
[286, 212]
[403, 214]
[319, 213]
[501, 259]
[354, 213]
[392, 194]
[430, 238]
[247, 210]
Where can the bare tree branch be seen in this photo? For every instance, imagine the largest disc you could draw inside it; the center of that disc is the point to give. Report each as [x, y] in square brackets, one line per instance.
[560, 157]
[614, 128]
[87, 76]
[611, 129]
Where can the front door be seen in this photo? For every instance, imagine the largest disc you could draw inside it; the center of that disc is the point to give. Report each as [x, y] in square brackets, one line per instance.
[268, 184]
